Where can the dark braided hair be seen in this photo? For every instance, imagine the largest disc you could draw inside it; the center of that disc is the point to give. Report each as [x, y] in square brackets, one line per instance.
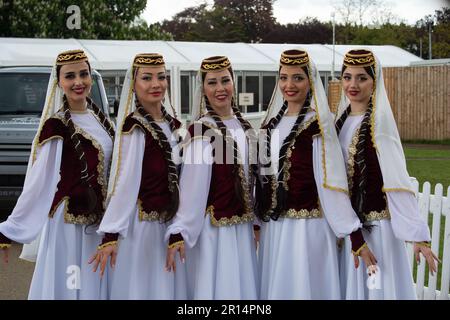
[281, 194]
[101, 115]
[364, 135]
[340, 122]
[172, 207]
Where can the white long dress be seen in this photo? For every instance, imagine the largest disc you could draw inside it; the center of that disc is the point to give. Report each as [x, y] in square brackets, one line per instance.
[62, 270]
[386, 241]
[139, 273]
[298, 257]
[221, 261]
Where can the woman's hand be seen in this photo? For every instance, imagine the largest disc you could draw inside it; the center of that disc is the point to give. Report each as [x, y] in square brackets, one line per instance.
[171, 252]
[369, 260]
[101, 258]
[430, 257]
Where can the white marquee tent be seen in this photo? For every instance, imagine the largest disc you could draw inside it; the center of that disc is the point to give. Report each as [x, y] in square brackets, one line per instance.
[117, 54]
[255, 64]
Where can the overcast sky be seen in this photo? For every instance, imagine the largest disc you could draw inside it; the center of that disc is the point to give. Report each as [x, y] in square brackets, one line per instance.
[291, 11]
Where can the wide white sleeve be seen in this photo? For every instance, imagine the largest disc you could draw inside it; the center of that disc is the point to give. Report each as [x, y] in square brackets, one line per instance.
[336, 205]
[406, 221]
[123, 203]
[195, 179]
[33, 206]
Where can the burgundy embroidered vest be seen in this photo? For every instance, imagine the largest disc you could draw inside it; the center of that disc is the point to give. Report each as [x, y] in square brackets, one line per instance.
[223, 205]
[154, 194]
[69, 188]
[375, 197]
[298, 175]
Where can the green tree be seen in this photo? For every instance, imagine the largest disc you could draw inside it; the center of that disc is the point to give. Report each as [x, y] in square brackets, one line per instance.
[105, 19]
[200, 24]
[255, 16]
[308, 30]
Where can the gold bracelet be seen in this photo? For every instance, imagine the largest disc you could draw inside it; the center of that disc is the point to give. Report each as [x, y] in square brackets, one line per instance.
[424, 243]
[106, 244]
[5, 245]
[357, 252]
[173, 245]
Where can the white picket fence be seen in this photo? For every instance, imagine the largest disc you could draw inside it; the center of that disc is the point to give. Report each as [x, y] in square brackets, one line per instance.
[438, 207]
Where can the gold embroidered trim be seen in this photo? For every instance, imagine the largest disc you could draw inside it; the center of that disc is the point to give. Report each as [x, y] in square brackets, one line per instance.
[294, 62]
[223, 222]
[215, 64]
[357, 252]
[146, 62]
[178, 243]
[302, 214]
[71, 56]
[52, 212]
[375, 215]
[397, 190]
[359, 60]
[80, 219]
[48, 139]
[107, 244]
[421, 243]
[351, 160]
[146, 216]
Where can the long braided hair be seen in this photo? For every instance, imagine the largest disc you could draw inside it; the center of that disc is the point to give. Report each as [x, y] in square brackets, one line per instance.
[230, 142]
[90, 196]
[172, 207]
[364, 135]
[275, 209]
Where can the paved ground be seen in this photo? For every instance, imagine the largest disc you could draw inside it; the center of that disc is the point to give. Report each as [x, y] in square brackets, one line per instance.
[15, 277]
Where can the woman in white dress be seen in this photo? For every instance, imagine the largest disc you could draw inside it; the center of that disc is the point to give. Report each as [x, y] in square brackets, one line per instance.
[143, 188]
[215, 218]
[303, 203]
[65, 187]
[379, 185]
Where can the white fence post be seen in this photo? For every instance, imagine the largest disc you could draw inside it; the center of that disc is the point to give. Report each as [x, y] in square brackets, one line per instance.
[445, 278]
[424, 204]
[436, 211]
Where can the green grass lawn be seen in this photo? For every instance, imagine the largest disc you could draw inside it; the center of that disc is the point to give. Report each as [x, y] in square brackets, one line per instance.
[432, 165]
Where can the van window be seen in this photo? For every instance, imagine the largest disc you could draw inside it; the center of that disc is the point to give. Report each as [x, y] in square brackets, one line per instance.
[24, 93]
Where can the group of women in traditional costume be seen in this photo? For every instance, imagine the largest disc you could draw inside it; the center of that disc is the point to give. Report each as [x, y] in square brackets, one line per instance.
[311, 206]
